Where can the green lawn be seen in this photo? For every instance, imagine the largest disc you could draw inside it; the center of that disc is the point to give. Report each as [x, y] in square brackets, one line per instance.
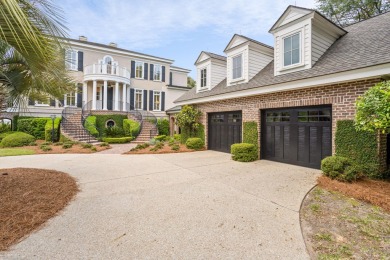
[14, 151]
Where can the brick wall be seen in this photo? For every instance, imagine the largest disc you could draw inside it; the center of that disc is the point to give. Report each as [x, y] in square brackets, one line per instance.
[341, 96]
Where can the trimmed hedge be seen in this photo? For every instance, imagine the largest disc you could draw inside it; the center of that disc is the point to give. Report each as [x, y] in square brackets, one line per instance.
[114, 132]
[341, 169]
[2, 135]
[244, 152]
[161, 138]
[102, 119]
[48, 129]
[163, 126]
[119, 140]
[359, 146]
[250, 134]
[33, 126]
[90, 126]
[131, 127]
[17, 139]
[195, 143]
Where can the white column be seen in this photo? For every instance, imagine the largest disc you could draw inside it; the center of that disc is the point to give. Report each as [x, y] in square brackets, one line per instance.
[105, 96]
[128, 94]
[124, 97]
[116, 99]
[85, 93]
[65, 100]
[94, 87]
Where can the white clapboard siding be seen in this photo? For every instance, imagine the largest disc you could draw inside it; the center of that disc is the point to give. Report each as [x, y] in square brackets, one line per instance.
[257, 62]
[321, 41]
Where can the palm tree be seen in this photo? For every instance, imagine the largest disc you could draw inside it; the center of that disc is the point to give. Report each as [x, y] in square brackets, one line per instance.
[31, 44]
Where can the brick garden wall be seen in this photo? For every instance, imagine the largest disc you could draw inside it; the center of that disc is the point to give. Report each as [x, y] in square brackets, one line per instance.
[341, 96]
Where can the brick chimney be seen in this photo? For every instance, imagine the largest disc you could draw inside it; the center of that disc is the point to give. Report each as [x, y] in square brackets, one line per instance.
[83, 38]
[113, 44]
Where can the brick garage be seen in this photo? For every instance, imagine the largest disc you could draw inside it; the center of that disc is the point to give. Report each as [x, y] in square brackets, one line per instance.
[341, 97]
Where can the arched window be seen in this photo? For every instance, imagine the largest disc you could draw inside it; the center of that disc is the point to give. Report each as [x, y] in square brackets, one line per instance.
[108, 61]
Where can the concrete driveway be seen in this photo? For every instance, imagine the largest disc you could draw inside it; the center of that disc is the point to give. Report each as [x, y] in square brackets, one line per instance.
[183, 206]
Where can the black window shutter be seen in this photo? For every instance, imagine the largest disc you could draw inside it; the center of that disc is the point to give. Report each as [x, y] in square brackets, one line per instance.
[145, 100]
[132, 69]
[151, 71]
[162, 101]
[170, 78]
[163, 74]
[31, 102]
[79, 95]
[52, 102]
[145, 71]
[132, 99]
[150, 100]
[80, 59]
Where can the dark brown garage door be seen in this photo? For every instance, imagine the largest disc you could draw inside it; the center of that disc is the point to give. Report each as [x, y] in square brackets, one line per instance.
[301, 136]
[224, 130]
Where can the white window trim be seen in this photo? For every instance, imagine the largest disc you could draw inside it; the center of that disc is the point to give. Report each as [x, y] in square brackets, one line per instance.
[142, 99]
[301, 50]
[76, 60]
[242, 68]
[135, 69]
[200, 78]
[159, 93]
[154, 66]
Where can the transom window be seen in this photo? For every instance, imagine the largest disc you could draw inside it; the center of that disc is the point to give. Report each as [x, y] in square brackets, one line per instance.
[157, 73]
[203, 78]
[278, 117]
[139, 70]
[292, 50]
[156, 100]
[237, 67]
[138, 99]
[71, 59]
[314, 115]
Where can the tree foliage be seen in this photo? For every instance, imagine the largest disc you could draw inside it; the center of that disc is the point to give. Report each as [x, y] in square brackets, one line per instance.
[188, 118]
[31, 58]
[345, 12]
[191, 82]
[373, 109]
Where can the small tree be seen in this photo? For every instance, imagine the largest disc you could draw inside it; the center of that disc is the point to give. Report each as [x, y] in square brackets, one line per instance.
[188, 118]
[373, 109]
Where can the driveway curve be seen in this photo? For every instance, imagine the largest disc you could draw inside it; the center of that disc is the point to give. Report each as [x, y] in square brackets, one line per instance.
[188, 206]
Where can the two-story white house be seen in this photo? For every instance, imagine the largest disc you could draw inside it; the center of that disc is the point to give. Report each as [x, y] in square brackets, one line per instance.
[110, 78]
[295, 91]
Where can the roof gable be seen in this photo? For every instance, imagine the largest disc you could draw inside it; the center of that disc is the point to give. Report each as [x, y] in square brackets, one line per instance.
[292, 13]
[202, 57]
[235, 41]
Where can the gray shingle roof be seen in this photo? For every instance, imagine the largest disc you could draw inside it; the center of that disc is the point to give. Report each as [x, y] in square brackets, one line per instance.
[366, 44]
[215, 56]
[249, 39]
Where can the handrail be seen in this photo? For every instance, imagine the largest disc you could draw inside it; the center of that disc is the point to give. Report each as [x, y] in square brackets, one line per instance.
[151, 118]
[107, 69]
[66, 124]
[87, 111]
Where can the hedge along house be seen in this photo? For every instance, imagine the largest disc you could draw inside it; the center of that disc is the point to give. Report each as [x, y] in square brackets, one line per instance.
[295, 91]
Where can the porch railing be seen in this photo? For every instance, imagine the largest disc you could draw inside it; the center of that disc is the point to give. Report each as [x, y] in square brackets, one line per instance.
[107, 69]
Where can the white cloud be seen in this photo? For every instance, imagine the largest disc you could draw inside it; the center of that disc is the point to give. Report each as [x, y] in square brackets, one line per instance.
[141, 24]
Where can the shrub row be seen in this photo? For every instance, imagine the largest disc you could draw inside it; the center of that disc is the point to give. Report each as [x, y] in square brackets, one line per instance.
[120, 140]
[90, 126]
[33, 126]
[48, 130]
[131, 127]
[17, 139]
[341, 169]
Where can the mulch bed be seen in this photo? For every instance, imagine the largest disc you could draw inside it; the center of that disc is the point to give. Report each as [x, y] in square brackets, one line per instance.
[28, 198]
[165, 149]
[76, 148]
[372, 191]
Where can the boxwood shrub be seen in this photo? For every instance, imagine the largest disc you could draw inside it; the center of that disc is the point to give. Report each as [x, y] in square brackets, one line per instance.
[131, 127]
[17, 139]
[119, 140]
[161, 138]
[34, 126]
[195, 143]
[244, 152]
[186, 133]
[341, 169]
[163, 126]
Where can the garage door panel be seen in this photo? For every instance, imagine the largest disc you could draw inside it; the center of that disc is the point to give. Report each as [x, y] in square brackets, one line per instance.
[301, 136]
[224, 130]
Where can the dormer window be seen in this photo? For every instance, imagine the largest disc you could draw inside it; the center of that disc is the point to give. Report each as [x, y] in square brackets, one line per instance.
[291, 46]
[237, 67]
[203, 78]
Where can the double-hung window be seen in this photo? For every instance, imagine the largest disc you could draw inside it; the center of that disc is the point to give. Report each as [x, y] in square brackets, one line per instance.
[237, 67]
[71, 59]
[139, 70]
[203, 78]
[71, 99]
[156, 100]
[138, 99]
[292, 50]
[157, 73]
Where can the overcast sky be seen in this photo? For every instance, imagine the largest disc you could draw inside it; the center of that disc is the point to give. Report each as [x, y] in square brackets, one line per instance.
[174, 29]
